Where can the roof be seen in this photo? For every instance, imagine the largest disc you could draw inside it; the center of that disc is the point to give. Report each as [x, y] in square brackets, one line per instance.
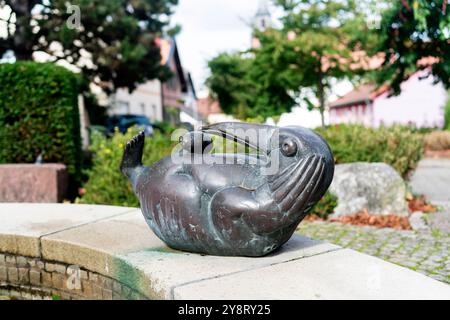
[165, 46]
[208, 106]
[169, 53]
[363, 94]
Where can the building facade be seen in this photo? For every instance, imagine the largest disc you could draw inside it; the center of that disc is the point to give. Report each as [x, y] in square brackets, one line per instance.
[160, 101]
[420, 104]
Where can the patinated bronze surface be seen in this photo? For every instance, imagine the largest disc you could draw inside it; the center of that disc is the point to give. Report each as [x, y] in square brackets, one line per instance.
[242, 204]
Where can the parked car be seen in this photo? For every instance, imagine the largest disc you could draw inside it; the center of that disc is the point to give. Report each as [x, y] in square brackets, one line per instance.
[124, 122]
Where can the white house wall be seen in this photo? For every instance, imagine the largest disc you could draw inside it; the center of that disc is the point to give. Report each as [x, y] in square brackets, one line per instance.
[421, 103]
[145, 100]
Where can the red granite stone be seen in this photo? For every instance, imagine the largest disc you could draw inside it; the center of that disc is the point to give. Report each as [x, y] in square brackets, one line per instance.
[32, 183]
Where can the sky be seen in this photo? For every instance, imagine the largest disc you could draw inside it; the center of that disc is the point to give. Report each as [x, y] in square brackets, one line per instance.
[210, 27]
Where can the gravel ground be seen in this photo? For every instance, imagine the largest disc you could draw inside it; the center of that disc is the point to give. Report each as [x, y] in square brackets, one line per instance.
[427, 253]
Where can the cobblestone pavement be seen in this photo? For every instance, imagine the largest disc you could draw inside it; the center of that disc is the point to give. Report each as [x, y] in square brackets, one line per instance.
[427, 253]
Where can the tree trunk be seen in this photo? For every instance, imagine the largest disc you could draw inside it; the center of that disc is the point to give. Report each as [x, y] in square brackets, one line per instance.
[321, 96]
[23, 37]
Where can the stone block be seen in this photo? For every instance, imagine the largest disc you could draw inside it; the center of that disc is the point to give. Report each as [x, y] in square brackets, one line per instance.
[117, 296]
[84, 275]
[107, 294]
[117, 287]
[93, 277]
[31, 183]
[11, 261]
[24, 276]
[13, 275]
[375, 187]
[2, 260]
[87, 289]
[106, 283]
[60, 268]
[3, 273]
[351, 276]
[50, 267]
[97, 292]
[58, 281]
[23, 225]
[22, 262]
[35, 277]
[46, 279]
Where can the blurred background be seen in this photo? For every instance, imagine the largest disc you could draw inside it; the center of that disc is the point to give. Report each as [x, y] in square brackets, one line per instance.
[79, 78]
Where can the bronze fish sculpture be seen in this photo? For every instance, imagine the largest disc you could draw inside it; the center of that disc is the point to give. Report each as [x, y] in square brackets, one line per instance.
[237, 204]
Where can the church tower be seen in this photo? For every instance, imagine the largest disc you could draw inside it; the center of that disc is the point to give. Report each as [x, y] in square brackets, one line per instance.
[261, 21]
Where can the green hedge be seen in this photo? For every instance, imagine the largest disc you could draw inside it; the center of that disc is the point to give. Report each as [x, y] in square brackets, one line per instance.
[39, 114]
[106, 184]
[397, 146]
[447, 114]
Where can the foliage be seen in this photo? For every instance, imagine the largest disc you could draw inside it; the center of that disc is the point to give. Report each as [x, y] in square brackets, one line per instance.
[413, 30]
[447, 114]
[325, 207]
[39, 114]
[299, 62]
[437, 141]
[106, 184]
[229, 84]
[396, 146]
[119, 37]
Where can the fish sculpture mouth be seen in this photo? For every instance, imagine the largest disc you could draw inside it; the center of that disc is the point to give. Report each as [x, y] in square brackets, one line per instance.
[239, 209]
[254, 136]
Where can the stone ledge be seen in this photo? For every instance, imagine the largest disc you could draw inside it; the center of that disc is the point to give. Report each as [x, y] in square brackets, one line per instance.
[115, 243]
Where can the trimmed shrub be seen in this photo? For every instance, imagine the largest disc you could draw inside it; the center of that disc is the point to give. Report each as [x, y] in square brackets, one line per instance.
[397, 146]
[437, 141]
[447, 114]
[106, 184]
[39, 115]
[325, 207]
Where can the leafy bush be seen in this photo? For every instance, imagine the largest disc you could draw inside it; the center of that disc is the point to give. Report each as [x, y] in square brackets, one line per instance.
[447, 114]
[396, 146]
[325, 206]
[106, 184]
[39, 114]
[437, 141]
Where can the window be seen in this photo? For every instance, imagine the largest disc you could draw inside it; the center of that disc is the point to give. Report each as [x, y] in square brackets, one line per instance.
[123, 107]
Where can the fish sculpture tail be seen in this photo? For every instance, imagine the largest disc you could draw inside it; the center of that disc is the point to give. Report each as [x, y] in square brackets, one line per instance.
[132, 155]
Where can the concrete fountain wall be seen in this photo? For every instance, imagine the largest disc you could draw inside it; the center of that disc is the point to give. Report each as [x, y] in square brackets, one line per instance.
[99, 252]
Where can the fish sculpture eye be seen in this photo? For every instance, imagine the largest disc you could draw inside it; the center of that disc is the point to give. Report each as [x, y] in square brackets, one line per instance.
[289, 147]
